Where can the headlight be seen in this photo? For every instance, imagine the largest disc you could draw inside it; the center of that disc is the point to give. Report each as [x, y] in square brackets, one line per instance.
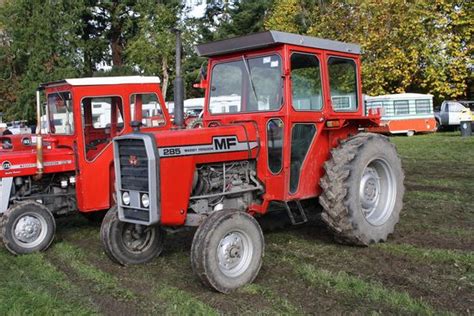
[145, 200]
[126, 198]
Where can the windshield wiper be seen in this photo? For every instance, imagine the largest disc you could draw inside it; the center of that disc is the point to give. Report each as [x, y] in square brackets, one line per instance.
[247, 69]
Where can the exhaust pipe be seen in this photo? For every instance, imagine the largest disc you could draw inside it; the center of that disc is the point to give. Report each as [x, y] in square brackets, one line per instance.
[39, 137]
[178, 85]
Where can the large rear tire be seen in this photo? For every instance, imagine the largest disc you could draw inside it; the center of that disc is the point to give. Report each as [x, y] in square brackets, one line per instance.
[362, 190]
[27, 227]
[227, 250]
[126, 243]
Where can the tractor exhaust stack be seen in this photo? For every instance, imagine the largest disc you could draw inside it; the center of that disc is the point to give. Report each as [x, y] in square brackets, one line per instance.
[178, 85]
[39, 137]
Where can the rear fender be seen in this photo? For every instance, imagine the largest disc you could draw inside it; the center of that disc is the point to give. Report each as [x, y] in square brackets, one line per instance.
[5, 191]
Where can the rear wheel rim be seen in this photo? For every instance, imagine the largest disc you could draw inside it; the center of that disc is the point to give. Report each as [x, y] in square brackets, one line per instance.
[29, 230]
[234, 253]
[377, 192]
[136, 241]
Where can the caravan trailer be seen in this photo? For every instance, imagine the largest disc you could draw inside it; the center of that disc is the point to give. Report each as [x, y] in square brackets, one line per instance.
[404, 113]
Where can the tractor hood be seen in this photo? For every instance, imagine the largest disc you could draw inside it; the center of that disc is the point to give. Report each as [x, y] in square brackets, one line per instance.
[199, 142]
[18, 156]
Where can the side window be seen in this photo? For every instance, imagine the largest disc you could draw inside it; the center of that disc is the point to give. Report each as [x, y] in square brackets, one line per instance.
[61, 118]
[301, 137]
[275, 145]
[102, 119]
[343, 83]
[306, 82]
[147, 109]
[422, 106]
[401, 107]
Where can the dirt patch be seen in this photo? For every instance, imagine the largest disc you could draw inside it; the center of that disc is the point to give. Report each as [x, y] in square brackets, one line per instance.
[425, 239]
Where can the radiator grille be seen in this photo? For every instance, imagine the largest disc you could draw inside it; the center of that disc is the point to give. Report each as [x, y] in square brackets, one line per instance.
[133, 164]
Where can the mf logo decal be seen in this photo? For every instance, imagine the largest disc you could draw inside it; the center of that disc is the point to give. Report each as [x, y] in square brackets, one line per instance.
[224, 143]
[133, 160]
[6, 165]
[219, 144]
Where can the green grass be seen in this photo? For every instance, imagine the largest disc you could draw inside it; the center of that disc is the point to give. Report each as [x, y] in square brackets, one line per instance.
[31, 285]
[179, 302]
[466, 259]
[102, 282]
[355, 287]
[279, 303]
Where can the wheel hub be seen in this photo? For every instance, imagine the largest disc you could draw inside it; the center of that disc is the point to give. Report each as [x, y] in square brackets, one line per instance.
[137, 240]
[28, 229]
[377, 192]
[234, 253]
[370, 188]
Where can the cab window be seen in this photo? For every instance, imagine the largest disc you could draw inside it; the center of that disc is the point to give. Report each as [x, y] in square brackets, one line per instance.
[146, 107]
[247, 85]
[102, 119]
[306, 82]
[343, 84]
[61, 118]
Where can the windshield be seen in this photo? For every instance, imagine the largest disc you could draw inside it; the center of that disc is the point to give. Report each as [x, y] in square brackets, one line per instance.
[59, 109]
[246, 85]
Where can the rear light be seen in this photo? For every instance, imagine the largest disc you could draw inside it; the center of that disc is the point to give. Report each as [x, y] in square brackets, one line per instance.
[334, 123]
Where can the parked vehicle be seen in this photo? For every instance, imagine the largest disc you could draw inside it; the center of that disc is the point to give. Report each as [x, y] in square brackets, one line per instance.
[283, 142]
[452, 113]
[68, 165]
[404, 113]
[18, 127]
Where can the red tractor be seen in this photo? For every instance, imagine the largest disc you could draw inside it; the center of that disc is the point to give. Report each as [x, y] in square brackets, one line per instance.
[68, 165]
[282, 121]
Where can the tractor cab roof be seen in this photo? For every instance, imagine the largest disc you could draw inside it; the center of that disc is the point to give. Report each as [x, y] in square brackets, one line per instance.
[97, 81]
[270, 39]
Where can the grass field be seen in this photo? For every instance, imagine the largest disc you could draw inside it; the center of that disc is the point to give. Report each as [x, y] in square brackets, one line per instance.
[426, 267]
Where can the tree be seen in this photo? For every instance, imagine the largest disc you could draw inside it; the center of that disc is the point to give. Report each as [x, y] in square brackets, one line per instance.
[419, 46]
[40, 44]
[152, 50]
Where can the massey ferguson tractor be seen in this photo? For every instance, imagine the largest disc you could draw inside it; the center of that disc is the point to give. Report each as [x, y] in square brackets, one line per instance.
[281, 129]
[68, 165]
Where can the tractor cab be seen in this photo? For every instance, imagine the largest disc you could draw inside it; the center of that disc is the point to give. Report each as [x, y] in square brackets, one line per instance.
[67, 165]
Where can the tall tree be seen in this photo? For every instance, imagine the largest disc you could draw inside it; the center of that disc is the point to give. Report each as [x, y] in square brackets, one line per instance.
[152, 50]
[41, 46]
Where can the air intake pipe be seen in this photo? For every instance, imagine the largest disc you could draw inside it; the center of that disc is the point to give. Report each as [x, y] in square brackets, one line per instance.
[178, 85]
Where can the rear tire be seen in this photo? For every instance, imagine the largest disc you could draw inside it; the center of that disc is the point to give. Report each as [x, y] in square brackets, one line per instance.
[362, 190]
[227, 250]
[126, 245]
[27, 227]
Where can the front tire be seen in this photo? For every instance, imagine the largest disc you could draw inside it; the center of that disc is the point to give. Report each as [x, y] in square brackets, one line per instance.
[227, 250]
[126, 243]
[27, 227]
[362, 190]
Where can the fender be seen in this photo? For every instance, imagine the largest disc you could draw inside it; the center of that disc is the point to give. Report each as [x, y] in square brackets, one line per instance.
[5, 190]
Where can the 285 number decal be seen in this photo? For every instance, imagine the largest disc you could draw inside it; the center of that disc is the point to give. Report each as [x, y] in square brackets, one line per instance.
[171, 151]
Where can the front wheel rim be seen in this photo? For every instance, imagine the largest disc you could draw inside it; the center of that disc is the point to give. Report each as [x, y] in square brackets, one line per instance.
[377, 191]
[234, 253]
[29, 230]
[137, 241]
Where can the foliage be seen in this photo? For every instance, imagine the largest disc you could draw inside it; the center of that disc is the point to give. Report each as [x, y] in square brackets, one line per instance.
[420, 46]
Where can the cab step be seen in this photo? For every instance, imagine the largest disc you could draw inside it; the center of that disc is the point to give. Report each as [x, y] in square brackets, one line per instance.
[296, 212]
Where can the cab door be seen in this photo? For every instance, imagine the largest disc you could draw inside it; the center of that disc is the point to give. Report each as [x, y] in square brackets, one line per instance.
[305, 121]
[102, 120]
